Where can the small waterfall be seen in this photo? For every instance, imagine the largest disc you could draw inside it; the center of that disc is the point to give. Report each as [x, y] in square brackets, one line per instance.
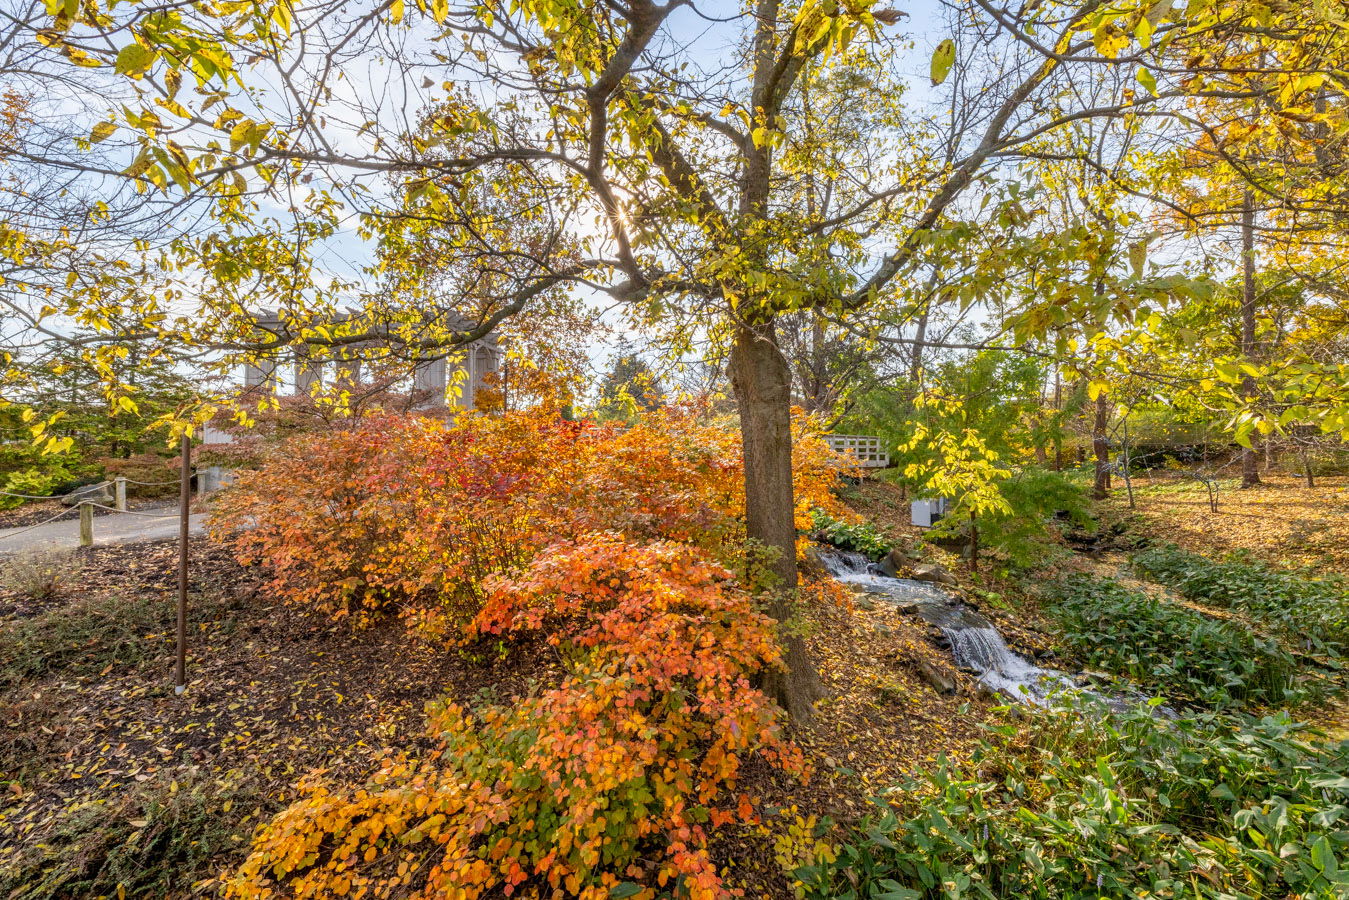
[983, 650]
[842, 563]
[975, 644]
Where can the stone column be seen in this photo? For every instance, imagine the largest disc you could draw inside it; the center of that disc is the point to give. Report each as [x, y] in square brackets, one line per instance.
[308, 373]
[260, 373]
[429, 376]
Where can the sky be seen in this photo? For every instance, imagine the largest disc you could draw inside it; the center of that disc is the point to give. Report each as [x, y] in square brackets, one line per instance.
[370, 78]
[345, 255]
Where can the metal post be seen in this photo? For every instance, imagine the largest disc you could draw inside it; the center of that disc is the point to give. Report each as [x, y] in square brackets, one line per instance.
[120, 492]
[184, 498]
[86, 524]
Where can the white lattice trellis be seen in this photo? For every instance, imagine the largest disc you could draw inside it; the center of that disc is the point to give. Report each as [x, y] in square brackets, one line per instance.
[868, 450]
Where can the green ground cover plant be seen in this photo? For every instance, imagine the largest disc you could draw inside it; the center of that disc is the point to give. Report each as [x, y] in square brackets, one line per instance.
[1311, 609]
[1171, 649]
[1090, 803]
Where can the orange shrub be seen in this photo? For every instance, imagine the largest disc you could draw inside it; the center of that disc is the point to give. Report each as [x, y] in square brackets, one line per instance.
[616, 543]
[411, 515]
[325, 511]
[632, 758]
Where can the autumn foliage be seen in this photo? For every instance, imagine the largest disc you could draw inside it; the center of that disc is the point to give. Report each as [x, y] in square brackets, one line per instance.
[616, 546]
[409, 515]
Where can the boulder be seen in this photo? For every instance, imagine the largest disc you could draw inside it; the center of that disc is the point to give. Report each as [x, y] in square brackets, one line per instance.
[933, 573]
[942, 681]
[984, 692]
[95, 493]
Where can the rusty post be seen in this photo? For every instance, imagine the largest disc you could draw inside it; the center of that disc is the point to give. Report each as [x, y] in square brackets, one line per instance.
[184, 503]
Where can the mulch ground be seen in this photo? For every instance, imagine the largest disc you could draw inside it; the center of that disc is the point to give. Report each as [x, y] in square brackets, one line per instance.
[276, 693]
[273, 693]
[880, 723]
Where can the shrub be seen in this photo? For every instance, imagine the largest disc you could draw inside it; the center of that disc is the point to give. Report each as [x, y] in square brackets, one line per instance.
[82, 636]
[326, 515]
[634, 757]
[860, 537]
[410, 516]
[33, 482]
[614, 541]
[1298, 604]
[39, 573]
[1020, 533]
[1169, 648]
[155, 840]
[1092, 804]
[159, 473]
[1037, 498]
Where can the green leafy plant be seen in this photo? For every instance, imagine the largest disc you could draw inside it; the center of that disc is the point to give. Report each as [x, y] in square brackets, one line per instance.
[1036, 498]
[860, 537]
[1169, 648]
[1088, 803]
[33, 482]
[1300, 605]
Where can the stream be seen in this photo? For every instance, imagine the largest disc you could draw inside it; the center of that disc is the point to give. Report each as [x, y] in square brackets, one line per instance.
[976, 644]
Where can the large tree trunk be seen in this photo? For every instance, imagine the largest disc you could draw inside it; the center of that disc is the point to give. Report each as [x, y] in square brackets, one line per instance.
[762, 383]
[1101, 444]
[1250, 463]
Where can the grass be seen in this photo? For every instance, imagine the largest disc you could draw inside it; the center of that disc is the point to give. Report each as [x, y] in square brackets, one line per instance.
[156, 840]
[85, 636]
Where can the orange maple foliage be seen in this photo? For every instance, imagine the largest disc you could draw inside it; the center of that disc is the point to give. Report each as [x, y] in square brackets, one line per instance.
[409, 515]
[615, 543]
[635, 756]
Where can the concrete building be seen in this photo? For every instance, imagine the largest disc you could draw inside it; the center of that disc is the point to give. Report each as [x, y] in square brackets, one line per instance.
[451, 381]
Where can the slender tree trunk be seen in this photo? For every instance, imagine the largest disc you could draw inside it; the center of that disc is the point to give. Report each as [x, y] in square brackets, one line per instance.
[1100, 443]
[1127, 464]
[815, 399]
[919, 342]
[1250, 463]
[1058, 433]
[974, 543]
[762, 383]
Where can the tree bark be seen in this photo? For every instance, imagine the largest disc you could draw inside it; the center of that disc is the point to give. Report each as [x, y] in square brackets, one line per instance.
[1250, 463]
[1058, 429]
[1126, 466]
[762, 382]
[919, 340]
[974, 543]
[1101, 445]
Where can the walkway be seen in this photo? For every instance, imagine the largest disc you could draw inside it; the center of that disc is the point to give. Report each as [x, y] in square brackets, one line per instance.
[154, 523]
